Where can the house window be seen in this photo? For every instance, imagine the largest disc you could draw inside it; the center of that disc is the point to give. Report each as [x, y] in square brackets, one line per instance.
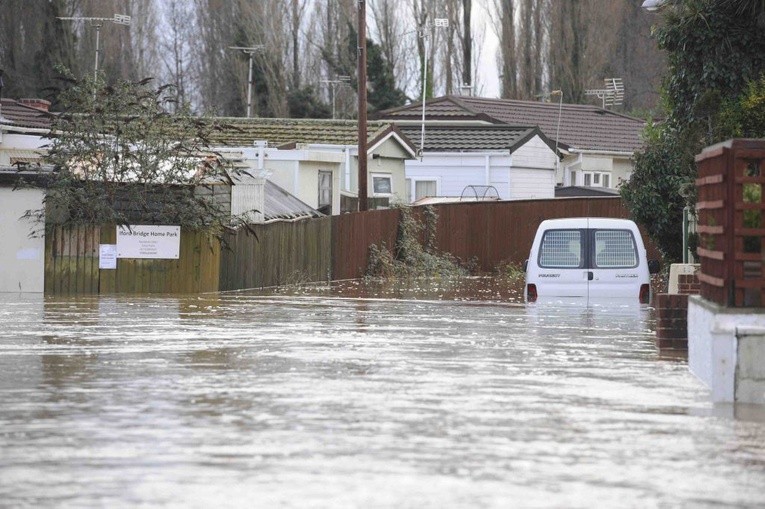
[573, 178]
[425, 188]
[382, 184]
[597, 179]
[325, 192]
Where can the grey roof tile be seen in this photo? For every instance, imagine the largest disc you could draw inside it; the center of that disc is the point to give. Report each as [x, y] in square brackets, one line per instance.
[242, 132]
[470, 138]
[581, 126]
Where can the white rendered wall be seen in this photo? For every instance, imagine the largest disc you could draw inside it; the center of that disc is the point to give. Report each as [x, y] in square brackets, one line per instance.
[714, 349]
[528, 173]
[22, 259]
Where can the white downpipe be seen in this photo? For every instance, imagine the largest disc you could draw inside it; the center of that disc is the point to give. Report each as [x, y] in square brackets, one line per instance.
[487, 170]
[347, 169]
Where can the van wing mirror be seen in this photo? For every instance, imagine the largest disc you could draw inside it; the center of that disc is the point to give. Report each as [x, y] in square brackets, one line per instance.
[654, 266]
[525, 265]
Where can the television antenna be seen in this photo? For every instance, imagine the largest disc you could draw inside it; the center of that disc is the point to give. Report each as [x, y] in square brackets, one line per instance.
[97, 23]
[249, 51]
[338, 81]
[612, 95]
[424, 32]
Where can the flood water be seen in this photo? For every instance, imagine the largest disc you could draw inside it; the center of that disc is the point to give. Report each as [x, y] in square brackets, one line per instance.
[359, 397]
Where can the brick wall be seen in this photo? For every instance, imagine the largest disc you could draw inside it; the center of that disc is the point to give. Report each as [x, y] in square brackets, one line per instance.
[688, 284]
[671, 321]
[672, 313]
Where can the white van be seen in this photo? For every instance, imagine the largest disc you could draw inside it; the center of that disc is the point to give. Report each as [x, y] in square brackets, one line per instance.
[588, 257]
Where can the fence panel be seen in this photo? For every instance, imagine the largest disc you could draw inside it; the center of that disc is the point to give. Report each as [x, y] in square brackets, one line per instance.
[352, 234]
[496, 232]
[489, 232]
[731, 177]
[71, 261]
[282, 253]
[71, 265]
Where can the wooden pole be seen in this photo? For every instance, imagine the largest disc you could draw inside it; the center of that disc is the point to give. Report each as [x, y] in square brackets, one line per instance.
[362, 92]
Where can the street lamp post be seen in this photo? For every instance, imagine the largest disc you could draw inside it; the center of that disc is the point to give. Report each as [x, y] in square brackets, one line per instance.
[425, 32]
[249, 51]
[97, 23]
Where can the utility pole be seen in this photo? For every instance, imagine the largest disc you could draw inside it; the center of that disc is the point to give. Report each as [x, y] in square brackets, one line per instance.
[249, 51]
[362, 69]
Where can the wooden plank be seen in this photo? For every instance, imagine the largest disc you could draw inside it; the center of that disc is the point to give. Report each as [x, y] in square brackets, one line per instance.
[710, 180]
[750, 283]
[710, 205]
[710, 280]
[59, 260]
[709, 253]
[66, 259]
[712, 230]
[49, 267]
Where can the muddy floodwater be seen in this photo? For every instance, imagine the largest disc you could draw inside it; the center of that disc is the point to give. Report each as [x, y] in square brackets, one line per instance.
[358, 396]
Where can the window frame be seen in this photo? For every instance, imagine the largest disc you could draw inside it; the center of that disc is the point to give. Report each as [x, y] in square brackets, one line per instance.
[387, 176]
[597, 178]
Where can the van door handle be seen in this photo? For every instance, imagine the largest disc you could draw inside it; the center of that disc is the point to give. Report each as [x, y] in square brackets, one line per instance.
[590, 275]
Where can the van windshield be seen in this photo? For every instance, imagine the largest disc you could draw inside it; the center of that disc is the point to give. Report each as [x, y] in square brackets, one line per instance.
[561, 249]
[615, 249]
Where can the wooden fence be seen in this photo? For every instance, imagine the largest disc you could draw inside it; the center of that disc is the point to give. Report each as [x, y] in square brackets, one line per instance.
[310, 250]
[731, 177]
[277, 254]
[489, 232]
[71, 265]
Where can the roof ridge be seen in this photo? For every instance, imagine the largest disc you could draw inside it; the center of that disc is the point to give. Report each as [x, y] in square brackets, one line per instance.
[571, 106]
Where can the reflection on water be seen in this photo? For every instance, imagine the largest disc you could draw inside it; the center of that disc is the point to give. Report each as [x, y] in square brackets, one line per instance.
[450, 395]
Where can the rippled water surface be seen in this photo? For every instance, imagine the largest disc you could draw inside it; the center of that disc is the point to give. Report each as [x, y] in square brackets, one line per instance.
[346, 397]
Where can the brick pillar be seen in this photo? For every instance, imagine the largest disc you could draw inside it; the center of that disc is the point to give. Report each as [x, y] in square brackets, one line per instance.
[671, 321]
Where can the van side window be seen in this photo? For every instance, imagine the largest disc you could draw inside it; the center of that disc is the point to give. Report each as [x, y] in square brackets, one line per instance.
[561, 249]
[615, 249]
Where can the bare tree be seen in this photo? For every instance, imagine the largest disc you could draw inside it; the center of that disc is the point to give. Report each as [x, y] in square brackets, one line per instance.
[26, 55]
[177, 51]
[145, 28]
[579, 48]
[297, 12]
[503, 11]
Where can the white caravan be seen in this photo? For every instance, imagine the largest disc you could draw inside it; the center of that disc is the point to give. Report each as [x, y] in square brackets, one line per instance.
[588, 257]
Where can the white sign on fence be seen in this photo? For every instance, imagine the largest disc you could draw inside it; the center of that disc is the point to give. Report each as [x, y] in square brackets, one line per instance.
[144, 241]
[107, 256]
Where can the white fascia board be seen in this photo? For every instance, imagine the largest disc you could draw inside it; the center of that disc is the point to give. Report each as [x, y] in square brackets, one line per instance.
[318, 156]
[395, 136]
[502, 153]
[24, 130]
[617, 153]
